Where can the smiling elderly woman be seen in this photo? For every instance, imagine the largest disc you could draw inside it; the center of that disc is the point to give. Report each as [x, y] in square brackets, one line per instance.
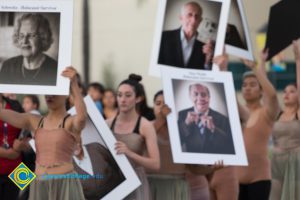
[33, 36]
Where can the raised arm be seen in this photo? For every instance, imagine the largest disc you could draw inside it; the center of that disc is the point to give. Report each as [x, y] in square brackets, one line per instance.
[297, 60]
[78, 120]
[270, 96]
[19, 120]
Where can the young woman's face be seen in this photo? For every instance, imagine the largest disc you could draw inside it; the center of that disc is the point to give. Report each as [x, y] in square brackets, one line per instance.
[109, 99]
[28, 105]
[55, 101]
[126, 98]
[158, 103]
[290, 95]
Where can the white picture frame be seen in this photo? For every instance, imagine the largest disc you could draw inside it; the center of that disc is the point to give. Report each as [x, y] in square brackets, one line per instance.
[215, 14]
[242, 46]
[176, 83]
[97, 130]
[60, 17]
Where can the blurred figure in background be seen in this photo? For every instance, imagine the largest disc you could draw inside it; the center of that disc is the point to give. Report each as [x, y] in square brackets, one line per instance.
[142, 107]
[110, 107]
[10, 96]
[31, 104]
[286, 137]
[10, 158]
[96, 91]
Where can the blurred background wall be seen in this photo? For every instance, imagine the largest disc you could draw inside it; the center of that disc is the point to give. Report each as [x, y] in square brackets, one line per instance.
[121, 35]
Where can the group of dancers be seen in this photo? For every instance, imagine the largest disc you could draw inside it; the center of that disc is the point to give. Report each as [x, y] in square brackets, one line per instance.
[142, 135]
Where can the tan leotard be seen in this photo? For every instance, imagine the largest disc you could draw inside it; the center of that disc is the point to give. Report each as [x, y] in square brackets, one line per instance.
[256, 140]
[54, 149]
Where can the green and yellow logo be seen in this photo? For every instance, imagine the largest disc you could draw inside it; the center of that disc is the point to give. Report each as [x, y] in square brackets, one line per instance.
[22, 176]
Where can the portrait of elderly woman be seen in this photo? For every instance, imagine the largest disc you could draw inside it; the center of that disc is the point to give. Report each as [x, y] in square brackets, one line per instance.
[32, 36]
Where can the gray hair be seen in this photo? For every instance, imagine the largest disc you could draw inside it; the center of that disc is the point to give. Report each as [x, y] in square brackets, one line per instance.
[195, 84]
[44, 31]
[192, 3]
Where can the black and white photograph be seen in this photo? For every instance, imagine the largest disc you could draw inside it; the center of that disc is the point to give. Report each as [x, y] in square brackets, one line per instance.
[237, 40]
[189, 34]
[113, 175]
[35, 46]
[204, 117]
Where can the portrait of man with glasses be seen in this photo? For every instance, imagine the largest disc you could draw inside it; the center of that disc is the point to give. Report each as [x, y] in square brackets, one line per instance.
[201, 128]
[33, 37]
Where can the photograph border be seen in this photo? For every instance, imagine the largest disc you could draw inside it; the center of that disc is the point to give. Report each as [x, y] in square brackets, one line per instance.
[65, 8]
[154, 69]
[131, 181]
[239, 158]
[236, 51]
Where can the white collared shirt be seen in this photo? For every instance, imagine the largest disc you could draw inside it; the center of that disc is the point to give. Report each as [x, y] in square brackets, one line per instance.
[187, 46]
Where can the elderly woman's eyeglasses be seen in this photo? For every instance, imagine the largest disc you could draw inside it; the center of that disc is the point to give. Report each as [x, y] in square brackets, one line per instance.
[29, 36]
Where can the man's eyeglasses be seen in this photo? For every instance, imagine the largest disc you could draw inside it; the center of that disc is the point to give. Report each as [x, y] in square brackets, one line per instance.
[202, 94]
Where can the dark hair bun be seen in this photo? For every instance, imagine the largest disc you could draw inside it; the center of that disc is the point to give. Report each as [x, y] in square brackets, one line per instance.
[135, 77]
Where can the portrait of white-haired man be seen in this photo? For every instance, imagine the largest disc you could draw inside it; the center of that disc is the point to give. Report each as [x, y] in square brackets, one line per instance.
[180, 47]
[202, 129]
[32, 36]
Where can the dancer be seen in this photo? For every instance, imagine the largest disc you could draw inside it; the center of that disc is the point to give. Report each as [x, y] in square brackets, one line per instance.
[286, 138]
[169, 182]
[135, 134]
[258, 119]
[56, 137]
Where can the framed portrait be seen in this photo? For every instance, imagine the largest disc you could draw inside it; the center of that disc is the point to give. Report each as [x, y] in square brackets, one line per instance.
[183, 28]
[98, 144]
[35, 46]
[204, 121]
[237, 40]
